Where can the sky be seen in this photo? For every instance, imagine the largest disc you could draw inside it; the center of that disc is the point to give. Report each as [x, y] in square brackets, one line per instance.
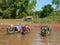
[41, 3]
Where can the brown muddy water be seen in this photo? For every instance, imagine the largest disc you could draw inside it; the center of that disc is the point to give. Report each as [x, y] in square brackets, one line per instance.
[32, 38]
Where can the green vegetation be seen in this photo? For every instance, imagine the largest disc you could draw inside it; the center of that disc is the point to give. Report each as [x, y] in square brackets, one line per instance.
[17, 9]
[57, 3]
[51, 18]
[47, 9]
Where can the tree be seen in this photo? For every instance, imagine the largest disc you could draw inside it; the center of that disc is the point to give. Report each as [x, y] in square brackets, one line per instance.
[47, 9]
[57, 3]
[17, 8]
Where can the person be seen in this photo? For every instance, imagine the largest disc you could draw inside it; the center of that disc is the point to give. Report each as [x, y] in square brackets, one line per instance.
[27, 28]
[11, 27]
[46, 30]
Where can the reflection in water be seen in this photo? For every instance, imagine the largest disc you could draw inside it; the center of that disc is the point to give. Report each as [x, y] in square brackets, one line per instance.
[24, 40]
[33, 38]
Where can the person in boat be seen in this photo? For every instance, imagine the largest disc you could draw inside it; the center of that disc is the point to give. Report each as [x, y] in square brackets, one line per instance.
[27, 28]
[45, 30]
[11, 27]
